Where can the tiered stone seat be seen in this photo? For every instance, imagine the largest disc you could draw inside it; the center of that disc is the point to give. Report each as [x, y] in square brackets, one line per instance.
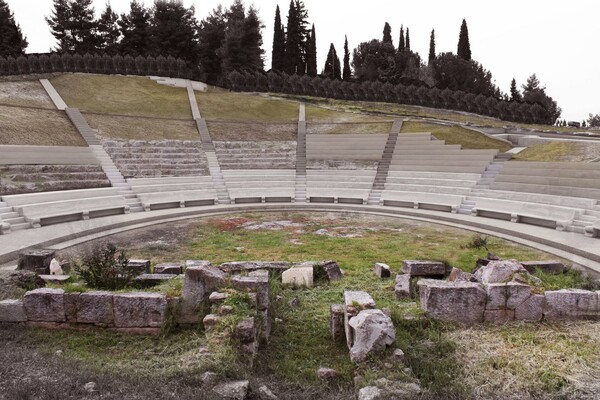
[353, 151]
[256, 155]
[173, 192]
[429, 174]
[260, 185]
[47, 208]
[339, 186]
[138, 158]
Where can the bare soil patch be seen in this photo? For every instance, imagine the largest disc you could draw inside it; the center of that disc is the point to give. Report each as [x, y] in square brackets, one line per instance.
[140, 128]
[25, 93]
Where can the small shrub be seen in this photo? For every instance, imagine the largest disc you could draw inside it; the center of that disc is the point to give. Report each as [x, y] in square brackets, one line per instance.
[105, 268]
[479, 242]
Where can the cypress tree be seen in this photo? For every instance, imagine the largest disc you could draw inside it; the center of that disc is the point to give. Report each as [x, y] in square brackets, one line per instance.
[212, 35]
[387, 34]
[402, 44]
[295, 45]
[135, 28]
[347, 73]
[83, 26]
[311, 53]
[332, 64]
[58, 22]
[108, 31]
[515, 95]
[278, 55]
[12, 41]
[432, 47]
[252, 41]
[464, 48]
[407, 39]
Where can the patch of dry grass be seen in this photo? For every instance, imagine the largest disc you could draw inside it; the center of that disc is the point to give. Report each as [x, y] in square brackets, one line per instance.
[25, 93]
[139, 128]
[111, 94]
[553, 151]
[249, 131]
[531, 360]
[350, 127]
[455, 134]
[36, 127]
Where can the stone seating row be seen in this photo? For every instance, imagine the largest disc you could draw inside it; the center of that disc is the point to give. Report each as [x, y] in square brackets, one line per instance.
[260, 185]
[339, 186]
[39, 209]
[256, 155]
[174, 192]
[47, 155]
[345, 147]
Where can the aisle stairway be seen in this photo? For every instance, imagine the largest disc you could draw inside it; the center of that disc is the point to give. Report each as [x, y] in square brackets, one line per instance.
[383, 167]
[300, 187]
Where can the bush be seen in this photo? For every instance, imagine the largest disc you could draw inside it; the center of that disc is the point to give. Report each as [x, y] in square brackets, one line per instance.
[104, 267]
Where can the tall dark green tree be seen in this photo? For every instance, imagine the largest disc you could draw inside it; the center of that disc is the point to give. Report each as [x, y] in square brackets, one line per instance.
[212, 35]
[83, 26]
[372, 59]
[432, 46]
[402, 41]
[534, 92]
[252, 41]
[332, 64]
[59, 25]
[407, 39]
[347, 72]
[135, 29]
[387, 34]
[297, 32]
[311, 53]
[464, 47]
[515, 95]
[109, 33]
[12, 41]
[174, 31]
[278, 54]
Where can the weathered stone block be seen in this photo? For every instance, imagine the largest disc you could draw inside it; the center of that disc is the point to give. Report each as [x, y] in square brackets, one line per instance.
[373, 331]
[210, 320]
[139, 267]
[231, 391]
[329, 269]
[531, 309]
[516, 294]
[169, 269]
[240, 266]
[201, 278]
[12, 311]
[571, 304]
[458, 275]
[382, 270]
[336, 321]
[217, 297]
[58, 279]
[298, 277]
[496, 296]
[423, 268]
[71, 300]
[403, 286]
[246, 330]
[140, 310]
[95, 308]
[452, 301]
[499, 316]
[36, 260]
[501, 271]
[548, 266]
[45, 305]
[358, 299]
[150, 280]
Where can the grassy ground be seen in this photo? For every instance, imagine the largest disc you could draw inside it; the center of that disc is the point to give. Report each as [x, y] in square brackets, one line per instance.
[25, 93]
[555, 151]
[457, 135]
[122, 95]
[26, 126]
[124, 127]
[450, 361]
[220, 105]
[244, 131]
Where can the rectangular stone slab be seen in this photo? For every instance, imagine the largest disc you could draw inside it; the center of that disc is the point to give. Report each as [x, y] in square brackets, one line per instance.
[12, 311]
[45, 305]
[423, 268]
[548, 266]
[95, 308]
[462, 302]
[382, 270]
[403, 286]
[358, 299]
[36, 260]
[140, 310]
[571, 304]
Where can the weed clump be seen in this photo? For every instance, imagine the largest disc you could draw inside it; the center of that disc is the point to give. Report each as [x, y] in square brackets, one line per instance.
[105, 267]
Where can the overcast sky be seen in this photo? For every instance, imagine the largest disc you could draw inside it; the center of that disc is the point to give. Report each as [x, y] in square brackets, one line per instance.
[557, 40]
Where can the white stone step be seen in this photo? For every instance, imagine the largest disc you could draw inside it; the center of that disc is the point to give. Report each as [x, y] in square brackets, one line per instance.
[21, 226]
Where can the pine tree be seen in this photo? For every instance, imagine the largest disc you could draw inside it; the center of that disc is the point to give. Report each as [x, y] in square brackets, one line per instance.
[58, 22]
[387, 34]
[332, 64]
[135, 28]
[407, 39]
[12, 42]
[252, 41]
[83, 26]
[311, 53]
[212, 35]
[173, 31]
[464, 48]
[278, 55]
[432, 47]
[108, 31]
[515, 95]
[295, 46]
[347, 73]
[402, 43]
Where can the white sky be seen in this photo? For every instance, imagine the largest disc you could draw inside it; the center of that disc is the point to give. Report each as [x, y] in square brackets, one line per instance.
[512, 38]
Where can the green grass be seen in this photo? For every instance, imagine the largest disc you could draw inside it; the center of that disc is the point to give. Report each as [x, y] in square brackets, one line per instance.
[455, 134]
[552, 152]
[122, 95]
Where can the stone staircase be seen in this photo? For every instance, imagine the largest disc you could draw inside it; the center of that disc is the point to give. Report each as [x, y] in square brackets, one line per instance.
[383, 167]
[9, 216]
[217, 178]
[589, 217]
[82, 126]
[300, 185]
[488, 177]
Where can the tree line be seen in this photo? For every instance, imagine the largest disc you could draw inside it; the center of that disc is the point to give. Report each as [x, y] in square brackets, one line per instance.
[230, 39]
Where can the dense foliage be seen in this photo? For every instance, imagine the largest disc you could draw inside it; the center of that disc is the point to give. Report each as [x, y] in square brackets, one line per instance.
[12, 41]
[103, 267]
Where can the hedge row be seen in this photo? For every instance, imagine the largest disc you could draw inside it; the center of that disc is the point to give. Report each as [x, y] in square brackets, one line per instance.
[94, 63]
[386, 92]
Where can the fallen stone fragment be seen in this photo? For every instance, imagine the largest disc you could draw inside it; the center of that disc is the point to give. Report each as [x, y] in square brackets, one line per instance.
[502, 271]
[36, 260]
[327, 374]
[298, 277]
[265, 393]
[452, 301]
[200, 279]
[139, 267]
[423, 268]
[373, 331]
[12, 311]
[403, 286]
[240, 266]
[460, 275]
[217, 297]
[382, 270]
[550, 266]
[233, 390]
[358, 299]
[246, 330]
[336, 321]
[370, 393]
[169, 269]
[329, 269]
